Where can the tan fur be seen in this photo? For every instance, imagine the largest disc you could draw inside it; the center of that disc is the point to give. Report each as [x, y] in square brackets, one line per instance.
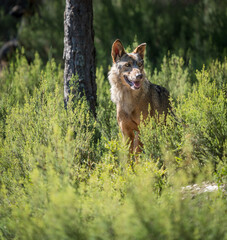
[133, 93]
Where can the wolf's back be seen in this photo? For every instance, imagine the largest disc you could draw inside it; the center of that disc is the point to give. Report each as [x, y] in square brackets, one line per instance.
[158, 98]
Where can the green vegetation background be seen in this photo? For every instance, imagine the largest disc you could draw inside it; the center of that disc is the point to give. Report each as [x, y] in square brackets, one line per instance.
[65, 175]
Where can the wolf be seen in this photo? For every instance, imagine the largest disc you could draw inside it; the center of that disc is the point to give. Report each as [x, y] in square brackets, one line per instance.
[133, 94]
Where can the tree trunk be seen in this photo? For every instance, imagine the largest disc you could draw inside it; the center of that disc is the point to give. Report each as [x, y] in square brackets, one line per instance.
[79, 50]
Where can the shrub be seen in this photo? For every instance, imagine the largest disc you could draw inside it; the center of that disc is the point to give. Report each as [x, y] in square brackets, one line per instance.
[200, 131]
[174, 76]
[65, 175]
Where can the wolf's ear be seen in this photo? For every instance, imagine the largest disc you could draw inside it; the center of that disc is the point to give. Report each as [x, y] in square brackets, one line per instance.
[117, 50]
[141, 49]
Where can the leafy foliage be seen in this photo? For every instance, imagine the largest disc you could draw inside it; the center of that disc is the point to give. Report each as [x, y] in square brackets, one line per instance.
[65, 175]
[194, 30]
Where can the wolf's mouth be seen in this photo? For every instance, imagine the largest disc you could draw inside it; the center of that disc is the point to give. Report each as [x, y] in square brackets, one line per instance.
[134, 85]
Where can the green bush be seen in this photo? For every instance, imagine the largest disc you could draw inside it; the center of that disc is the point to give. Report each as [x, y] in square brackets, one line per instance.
[65, 175]
[198, 132]
[44, 32]
[174, 76]
[193, 30]
[112, 205]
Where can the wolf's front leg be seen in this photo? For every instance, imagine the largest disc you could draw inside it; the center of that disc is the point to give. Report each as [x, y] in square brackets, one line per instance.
[129, 137]
[128, 134]
[128, 126]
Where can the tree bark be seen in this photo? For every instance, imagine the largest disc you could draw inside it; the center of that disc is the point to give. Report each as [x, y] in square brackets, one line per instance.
[79, 50]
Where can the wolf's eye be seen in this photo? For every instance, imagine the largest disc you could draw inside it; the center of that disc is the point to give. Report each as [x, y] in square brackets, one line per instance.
[128, 65]
[140, 64]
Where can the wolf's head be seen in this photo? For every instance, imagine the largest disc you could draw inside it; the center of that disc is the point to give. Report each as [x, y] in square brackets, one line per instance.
[129, 67]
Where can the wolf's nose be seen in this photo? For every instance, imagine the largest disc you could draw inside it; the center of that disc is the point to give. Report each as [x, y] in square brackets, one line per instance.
[139, 76]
